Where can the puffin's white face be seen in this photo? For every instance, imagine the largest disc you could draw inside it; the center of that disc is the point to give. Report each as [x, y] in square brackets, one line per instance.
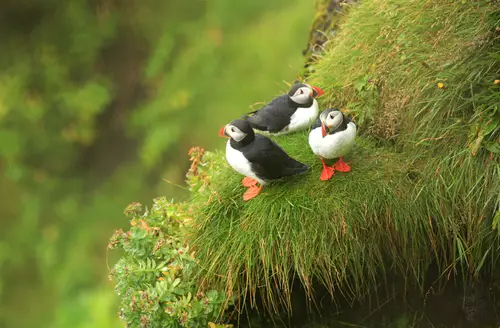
[333, 119]
[235, 133]
[302, 95]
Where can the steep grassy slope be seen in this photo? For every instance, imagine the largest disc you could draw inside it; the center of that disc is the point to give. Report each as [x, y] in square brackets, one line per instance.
[418, 77]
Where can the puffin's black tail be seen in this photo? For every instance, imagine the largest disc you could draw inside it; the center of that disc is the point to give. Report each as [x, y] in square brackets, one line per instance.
[246, 115]
[295, 167]
[253, 121]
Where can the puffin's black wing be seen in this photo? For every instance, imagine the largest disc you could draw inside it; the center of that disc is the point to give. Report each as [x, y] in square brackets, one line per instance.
[273, 117]
[316, 124]
[269, 161]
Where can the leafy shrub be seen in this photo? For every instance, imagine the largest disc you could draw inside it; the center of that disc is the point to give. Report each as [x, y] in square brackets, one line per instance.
[156, 276]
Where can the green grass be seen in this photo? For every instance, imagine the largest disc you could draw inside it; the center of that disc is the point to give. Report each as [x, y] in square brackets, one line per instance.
[343, 233]
[318, 228]
[425, 176]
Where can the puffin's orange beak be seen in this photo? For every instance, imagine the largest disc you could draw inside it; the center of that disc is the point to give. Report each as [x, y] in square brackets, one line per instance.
[317, 92]
[323, 130]
[222, 132]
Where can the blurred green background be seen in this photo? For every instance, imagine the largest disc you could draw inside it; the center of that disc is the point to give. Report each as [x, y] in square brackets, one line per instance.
[99, 101]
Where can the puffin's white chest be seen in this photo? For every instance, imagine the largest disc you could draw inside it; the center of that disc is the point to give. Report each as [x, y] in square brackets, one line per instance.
[239, 162]
[335, 145]
[303, 117]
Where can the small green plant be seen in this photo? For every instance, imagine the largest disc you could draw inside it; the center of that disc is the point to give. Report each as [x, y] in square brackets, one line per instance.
[155, 277]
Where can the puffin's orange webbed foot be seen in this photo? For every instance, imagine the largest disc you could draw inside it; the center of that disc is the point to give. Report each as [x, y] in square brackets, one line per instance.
[252, 192]
[327, 172]
[342, 166]
[248, 182]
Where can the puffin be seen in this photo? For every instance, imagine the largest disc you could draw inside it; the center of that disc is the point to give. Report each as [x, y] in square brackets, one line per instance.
[332, 136]
[257, 157]
[290, 112]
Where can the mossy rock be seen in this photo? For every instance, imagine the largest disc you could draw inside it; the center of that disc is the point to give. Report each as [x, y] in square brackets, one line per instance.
[330, 14]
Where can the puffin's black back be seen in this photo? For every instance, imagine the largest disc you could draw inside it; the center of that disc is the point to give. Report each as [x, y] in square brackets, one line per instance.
[276, 115]
[316, 124]
[267, 159]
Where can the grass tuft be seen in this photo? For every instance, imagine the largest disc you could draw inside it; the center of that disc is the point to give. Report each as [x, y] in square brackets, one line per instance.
[300, 227]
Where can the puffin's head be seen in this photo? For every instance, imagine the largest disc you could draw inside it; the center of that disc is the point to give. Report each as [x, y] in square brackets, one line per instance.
[237, 130]
[331, 119]
[302, 93]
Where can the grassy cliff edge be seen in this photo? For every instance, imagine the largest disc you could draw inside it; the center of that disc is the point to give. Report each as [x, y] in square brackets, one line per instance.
[420, 79]
[425, 179]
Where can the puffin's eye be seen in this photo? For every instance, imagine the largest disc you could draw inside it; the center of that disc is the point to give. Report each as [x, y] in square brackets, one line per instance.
[232, 129]
[301, 91]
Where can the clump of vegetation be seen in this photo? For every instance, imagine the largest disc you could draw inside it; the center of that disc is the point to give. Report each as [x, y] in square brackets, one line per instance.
[304, 228]
[155, 277]
[419, 79]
